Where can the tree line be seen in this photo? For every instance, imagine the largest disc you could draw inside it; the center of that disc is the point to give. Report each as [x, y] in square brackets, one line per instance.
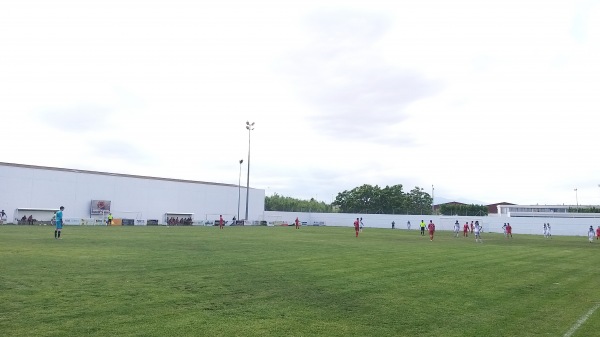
[584, 209]
[366, 199]
[280, 203]
[466, 210]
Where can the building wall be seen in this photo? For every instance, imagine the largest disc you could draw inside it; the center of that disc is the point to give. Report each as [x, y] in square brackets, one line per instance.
[24, 186]
[493, 208]
[493, 224]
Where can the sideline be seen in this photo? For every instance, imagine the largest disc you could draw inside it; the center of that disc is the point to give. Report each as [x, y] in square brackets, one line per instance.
[581, 320]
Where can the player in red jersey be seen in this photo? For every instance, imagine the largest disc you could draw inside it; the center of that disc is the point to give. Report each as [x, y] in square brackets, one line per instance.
[297, 223]
[508, 231]
[431, 229]
[357, 226]
[466, 229]
[598, 233]
[220, 221]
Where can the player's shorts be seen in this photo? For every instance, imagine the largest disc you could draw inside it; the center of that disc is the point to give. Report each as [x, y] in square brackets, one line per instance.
[59, 225]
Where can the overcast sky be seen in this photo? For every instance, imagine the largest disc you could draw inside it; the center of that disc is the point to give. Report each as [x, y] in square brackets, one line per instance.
[488, 101]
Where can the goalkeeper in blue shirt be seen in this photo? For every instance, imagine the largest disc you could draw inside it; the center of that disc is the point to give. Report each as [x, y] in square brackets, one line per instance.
[59, 222]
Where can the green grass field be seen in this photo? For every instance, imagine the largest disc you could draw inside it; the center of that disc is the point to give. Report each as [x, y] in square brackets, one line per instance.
[316, 281]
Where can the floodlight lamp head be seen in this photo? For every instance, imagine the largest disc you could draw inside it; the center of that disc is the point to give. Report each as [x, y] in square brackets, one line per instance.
[241, 161]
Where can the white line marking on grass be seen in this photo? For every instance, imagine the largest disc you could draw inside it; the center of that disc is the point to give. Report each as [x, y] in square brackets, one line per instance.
[581, 320]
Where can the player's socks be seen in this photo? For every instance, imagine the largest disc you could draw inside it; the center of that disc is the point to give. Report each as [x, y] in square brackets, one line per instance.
[59, 235]
[55, 234]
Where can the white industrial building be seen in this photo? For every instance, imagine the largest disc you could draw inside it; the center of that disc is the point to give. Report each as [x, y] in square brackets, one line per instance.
[548, 211]
[89, 195]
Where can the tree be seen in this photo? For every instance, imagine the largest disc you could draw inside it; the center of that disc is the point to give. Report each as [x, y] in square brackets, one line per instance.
[362, 199]
[466, 210]
[389, 200]
[287, 204]
[582, 209]
[419, 201]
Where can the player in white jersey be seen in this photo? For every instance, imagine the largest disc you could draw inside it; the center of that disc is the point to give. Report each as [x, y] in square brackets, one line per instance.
[456, 228]
[591, 234]
[545, 231]
[477, 231]
[504, 229]
[408, 225]
[548, 232]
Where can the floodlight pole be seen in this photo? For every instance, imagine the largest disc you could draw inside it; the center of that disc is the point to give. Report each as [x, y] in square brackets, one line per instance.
[432, 200]
[239, 188]
[577, 200]
[249, 127]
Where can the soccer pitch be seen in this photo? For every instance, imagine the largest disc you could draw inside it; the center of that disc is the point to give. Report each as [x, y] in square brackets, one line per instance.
[279, 281]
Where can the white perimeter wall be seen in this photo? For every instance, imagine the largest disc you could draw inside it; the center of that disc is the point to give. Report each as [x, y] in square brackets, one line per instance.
[27, 187]
[560, 226]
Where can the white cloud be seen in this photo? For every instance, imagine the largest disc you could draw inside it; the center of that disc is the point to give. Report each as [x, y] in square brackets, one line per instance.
[487, 100]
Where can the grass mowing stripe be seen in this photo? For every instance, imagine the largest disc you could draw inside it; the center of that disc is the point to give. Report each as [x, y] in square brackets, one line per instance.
[259, 281]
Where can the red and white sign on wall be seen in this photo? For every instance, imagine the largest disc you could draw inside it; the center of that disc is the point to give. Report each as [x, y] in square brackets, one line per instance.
[100, 207]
